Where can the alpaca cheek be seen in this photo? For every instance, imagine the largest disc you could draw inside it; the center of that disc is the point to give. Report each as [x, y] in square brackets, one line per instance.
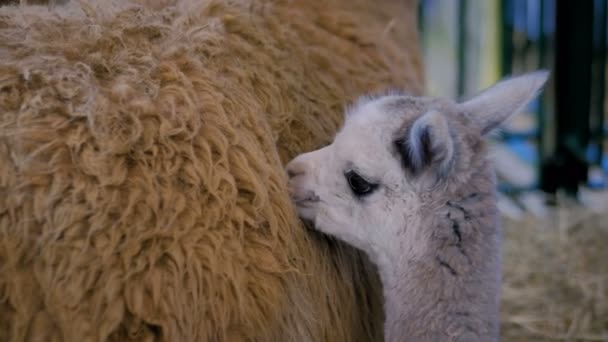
[332, 220]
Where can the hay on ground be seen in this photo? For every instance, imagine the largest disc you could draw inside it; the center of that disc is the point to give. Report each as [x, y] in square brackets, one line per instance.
[555, 277]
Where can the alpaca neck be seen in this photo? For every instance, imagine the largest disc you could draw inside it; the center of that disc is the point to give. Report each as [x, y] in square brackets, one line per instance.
[414, 283]
[442, 276]
[394, 278]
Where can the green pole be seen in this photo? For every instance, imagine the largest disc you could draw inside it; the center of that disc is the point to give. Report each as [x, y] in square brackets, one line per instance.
[462, 46]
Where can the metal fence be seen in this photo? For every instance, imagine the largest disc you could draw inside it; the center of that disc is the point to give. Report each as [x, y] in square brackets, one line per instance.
[469, 44]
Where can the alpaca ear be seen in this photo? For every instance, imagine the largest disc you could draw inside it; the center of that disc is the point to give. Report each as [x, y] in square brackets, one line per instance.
[497, 103]
[428, 142]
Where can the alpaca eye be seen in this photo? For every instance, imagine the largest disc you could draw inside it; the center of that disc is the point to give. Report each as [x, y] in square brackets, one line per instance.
[358, 184]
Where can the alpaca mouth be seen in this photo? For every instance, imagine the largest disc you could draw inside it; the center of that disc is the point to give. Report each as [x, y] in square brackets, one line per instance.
[304, 199]
[307, 203]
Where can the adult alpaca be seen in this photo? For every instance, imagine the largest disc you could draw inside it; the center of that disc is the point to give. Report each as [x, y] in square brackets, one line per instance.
[142, 186]
[408, 181]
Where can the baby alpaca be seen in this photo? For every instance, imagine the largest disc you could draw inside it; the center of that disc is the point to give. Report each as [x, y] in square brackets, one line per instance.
[408, 181]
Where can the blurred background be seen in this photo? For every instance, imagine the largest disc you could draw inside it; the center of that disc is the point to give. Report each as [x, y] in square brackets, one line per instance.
[552, 160]
[560, 142]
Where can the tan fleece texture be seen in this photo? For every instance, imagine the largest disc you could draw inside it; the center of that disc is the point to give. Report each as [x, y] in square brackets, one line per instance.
[142, 147]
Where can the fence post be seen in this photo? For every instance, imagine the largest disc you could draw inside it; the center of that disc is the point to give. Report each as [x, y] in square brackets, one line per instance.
[599, 79]
[506, 10]
[566, 168]
[462, 47]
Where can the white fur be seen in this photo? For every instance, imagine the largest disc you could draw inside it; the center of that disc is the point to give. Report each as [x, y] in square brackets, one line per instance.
[509, 96]
[433, 233]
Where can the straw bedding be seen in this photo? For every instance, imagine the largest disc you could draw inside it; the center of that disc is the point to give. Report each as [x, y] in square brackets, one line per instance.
[555, 276]
[142, 143]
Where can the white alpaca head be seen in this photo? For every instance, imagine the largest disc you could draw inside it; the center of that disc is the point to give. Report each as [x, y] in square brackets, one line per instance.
[395, 153]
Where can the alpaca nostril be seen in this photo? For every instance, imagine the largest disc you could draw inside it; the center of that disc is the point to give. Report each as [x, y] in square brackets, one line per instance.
[307, 197]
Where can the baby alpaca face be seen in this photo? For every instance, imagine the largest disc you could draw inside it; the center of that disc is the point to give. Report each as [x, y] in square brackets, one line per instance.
[356, 188]
[393, 153]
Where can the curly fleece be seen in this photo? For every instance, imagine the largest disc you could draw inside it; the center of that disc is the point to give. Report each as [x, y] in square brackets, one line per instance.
[142, 146]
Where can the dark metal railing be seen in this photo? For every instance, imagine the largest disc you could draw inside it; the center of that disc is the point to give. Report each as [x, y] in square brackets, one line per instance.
[569, 38]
